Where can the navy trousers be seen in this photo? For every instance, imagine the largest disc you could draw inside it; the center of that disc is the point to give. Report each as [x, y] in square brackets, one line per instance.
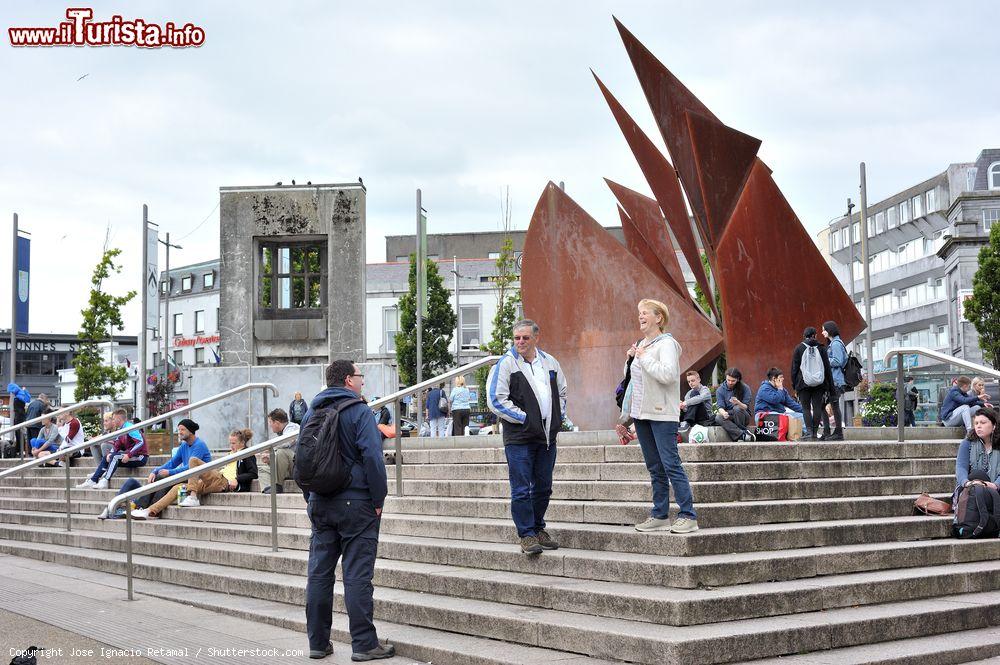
[345, 528]
[530, 467]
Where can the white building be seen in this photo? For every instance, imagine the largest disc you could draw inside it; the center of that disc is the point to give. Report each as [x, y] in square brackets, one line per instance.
[193, 331]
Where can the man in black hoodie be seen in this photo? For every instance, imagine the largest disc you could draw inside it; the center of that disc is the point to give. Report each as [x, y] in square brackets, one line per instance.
[346, 524]
[812, 379]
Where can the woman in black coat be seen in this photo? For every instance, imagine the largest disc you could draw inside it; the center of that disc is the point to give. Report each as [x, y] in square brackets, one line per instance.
[812, 397]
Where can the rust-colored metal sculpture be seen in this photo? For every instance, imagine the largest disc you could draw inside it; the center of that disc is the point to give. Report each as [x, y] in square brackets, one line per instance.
[646, 237]
[582, 286]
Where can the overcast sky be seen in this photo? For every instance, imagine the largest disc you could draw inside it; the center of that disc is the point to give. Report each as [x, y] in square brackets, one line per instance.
[461, 100]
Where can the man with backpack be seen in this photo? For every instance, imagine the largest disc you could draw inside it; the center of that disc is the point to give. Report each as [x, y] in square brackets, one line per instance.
[339, 450]
[812, 380]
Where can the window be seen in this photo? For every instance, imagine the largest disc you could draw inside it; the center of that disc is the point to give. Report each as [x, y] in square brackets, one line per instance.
[904, 212]
[856, 231]
[918, 206]
[871, 228]
[846, 240]
[891, 218]
[155, 333]
[292, 280]
[879, 222]
[164, 285]
[993, 176]
[834, 242]
[178, 357]
[199, 321]
[471, 330]
[931, 197]
[178, 325]
[186, 282]
[990, 217]
[208, 280]
[156, 360]
[199, 355]
[493, 255]
[402, 259]
[390, 326]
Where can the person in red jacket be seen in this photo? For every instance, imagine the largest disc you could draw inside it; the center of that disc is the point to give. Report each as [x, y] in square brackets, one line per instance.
[129, 450]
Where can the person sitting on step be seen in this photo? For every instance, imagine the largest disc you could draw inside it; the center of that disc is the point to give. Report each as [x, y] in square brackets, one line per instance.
[284, 453]
[960, 404]
[48, 439]
[979, 451]
[234, 477]
[696, 407]
[733, 398]
[192, 451]
[128, 450]
[71, 432]
[773, 398]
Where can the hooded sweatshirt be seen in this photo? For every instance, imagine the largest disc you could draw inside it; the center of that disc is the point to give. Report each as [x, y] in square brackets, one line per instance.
[772, 399]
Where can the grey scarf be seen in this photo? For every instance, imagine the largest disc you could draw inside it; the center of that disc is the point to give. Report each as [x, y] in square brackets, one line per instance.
[981, 461]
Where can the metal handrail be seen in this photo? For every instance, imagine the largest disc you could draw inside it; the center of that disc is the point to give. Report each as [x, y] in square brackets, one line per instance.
[930, 353]
[157, 485]
[113, 435]
[54, 414]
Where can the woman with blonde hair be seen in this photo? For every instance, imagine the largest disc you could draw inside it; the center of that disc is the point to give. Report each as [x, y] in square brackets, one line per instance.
[460, 407]
[652, 403]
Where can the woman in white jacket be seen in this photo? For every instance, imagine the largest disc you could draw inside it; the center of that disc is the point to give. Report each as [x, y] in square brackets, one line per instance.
[652, 402]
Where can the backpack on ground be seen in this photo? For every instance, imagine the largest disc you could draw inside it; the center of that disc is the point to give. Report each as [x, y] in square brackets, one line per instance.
[852, 371]
[320, 463]
[811, 367]
[977, 513]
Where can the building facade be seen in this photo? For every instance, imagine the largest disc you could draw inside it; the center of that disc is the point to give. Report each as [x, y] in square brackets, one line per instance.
[293, 262]
[923, 245]
[194, 317]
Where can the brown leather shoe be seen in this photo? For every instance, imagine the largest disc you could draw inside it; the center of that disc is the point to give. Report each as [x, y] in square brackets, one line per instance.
[530, 545]
[545, 540]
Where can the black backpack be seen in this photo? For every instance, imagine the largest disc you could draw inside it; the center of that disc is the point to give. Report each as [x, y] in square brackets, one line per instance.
[852, 371]
[977, 512]
[320, 463]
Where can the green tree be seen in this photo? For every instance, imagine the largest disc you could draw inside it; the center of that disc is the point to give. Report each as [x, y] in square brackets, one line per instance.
[983, 308]
[94, 378]
[438, 329]
[702, 300]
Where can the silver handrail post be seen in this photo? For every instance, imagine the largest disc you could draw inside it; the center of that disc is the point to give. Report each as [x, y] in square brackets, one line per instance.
[69, 518]
[399, 449]
[128, 547]
[273, 463]
[900, 411]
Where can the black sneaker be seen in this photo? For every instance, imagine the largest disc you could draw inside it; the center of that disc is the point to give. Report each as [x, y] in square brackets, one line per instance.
[317, 653]
[378, 653]
[545, 540]
[530, 545]
[836, 436]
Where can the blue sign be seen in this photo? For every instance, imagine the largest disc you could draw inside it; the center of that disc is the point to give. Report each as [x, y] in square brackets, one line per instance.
[23, 283]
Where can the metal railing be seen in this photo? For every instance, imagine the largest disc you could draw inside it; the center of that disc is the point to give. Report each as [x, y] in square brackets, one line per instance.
[165, 483]
[899, 352]
[125, 430]
[54, 414]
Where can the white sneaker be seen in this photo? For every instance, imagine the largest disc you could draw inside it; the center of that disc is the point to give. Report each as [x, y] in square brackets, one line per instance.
[191, 501]
[103, 515]
[86, 485]
[102, 484]
[140, 514]
[653, 524]
[684, 525]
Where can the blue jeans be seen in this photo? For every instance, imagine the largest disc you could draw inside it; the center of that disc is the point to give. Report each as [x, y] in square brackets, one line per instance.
[530, 468]
[658, 440]
[348, 528]
[962, 414]
[107, 469]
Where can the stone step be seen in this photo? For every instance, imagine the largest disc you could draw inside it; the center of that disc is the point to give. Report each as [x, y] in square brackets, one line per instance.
[601, 637]
[636, 602]
[593, 512]
[662, 570]
[703, 452]
[698, 471]
[706, 492]
[721, 540]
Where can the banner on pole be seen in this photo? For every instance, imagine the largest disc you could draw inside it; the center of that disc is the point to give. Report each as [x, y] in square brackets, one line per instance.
[23, 283]
[152, 285]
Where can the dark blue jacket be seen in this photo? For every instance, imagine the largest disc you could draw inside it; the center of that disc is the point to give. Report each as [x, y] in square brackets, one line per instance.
[723, 393]
[770, 398]
[361, 443]
[956, 398]
[434, 396]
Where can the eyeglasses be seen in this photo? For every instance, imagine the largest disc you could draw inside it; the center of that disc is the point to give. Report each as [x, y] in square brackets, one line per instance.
[520, 338]
[361, 375]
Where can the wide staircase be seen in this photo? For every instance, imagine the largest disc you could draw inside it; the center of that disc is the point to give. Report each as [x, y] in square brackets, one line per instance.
[807, 551]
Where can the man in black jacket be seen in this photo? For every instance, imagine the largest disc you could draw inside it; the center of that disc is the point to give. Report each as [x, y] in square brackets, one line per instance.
[346, 524]
[811, 391]
[527, 389]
